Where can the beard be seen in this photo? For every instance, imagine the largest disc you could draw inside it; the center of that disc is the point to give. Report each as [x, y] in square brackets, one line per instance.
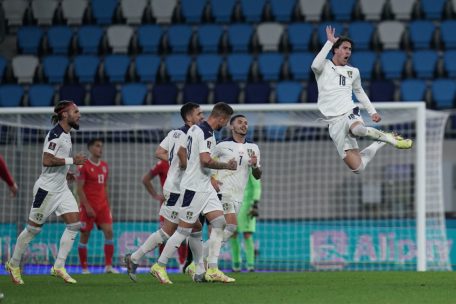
[74, 125]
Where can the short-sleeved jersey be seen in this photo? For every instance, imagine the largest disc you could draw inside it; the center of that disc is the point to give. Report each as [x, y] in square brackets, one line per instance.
[160, 169]
[95, 177]
[234, 182]
[171, 143]
[57, 143]
[200, 139]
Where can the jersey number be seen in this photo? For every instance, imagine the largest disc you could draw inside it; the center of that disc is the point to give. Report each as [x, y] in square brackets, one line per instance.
[240, 160]
[101, 178]
[189, 146]
[341, 80]
[171, 154]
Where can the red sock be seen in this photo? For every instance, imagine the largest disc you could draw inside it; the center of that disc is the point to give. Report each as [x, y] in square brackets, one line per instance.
[82, 249]
[182, 251]
[109, 252]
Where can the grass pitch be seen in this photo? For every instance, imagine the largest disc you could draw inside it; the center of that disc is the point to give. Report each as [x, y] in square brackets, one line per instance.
[297, 287]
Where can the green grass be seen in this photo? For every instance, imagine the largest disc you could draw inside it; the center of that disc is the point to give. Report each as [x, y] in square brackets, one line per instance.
[298, 287]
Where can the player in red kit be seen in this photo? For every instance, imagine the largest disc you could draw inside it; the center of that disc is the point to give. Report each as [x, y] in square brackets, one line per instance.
[94, 204]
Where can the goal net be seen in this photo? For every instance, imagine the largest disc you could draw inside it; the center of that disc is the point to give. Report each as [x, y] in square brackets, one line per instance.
[315, 214]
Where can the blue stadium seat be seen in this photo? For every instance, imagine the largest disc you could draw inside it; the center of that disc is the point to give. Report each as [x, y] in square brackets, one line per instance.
[433, 9]
[322, 30]
[361, 32]
[11, 95]
[424, 63]
[288, 92]
[275, 130]
[392, 63]
[252, 10]
[270, 65]
[257, 92]
[222, 10]
[74, 92]
[342, 10]
[365, 62]
[299, 65]
[227, 92]
[41, 95]
[239, 66]
[149, 38]
[239, 37]
[116, 67]
[59, 39]
[103, 11]
[443, 91]
[299, 36]
[192, 10]
[29, 39]
[208, 66]
[89, 38]
[382, 90]
[413, 90]
[177, 66]
[103, 94]
[55, 68]
[147, 67]
[133, 94]
[209, 36]
[282, 10]
[179, 38]
[85, 67]
[449, 62]
[3, 64]
[421, 32]
[196, 92]
[447, 30]
[312, 92]
[164, 94]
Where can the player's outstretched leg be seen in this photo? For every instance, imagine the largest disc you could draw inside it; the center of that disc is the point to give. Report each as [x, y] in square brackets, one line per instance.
[160, 273]
[131, 267]
[15, 273]
[390, 138]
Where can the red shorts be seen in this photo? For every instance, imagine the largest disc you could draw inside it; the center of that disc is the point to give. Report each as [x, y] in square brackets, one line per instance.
[102, 216]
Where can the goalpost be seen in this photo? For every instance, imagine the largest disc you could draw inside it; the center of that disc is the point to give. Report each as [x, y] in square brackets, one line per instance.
[314, 213]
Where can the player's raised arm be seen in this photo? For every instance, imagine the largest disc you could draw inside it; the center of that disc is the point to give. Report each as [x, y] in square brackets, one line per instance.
[364, 99]
[319, 61]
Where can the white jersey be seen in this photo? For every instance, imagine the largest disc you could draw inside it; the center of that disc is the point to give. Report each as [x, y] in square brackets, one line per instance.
[234, 182]
[57, 143]
[171, 143]
[200, 139]
[336, 85]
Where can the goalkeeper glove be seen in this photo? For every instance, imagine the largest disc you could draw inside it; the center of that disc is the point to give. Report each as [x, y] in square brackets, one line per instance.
[254, 209]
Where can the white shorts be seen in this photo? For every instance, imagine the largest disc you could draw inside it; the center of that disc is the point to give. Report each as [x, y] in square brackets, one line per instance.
[339, 130]
[230, 205]
[47, 202]
[196, 203]
[170, 207]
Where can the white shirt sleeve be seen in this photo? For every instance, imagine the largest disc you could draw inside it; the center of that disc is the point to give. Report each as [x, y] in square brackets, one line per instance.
[319, 62]
[204, 145]
[165, 142]
[52, 146]
[362, 96]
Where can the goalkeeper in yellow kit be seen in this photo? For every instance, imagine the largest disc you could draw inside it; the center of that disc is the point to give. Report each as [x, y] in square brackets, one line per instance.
[246, 225]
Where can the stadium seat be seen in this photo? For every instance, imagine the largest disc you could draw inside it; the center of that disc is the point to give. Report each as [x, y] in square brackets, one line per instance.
[41, 95]
[269, 35]
[209, 37]
[192, 10]
[59, 39]
[382, 90]
[282, 10]
[177, 66]
[89, 38]
[29, 39]
[288, 92]
[299, 36]
[270, 65]
[299, 65]
[208, 66]
[239, 66]
[342, 10]
[252, 10]
[275, 130]
[116, 67]
[133, 10]
[372, 9]
[239, 37]
[312, 92]
[365, 62]
[390, 34]
[103, 11]
[312, 10]
[55, 68]
[424, 63]
[14, 11]
[413, 90]
[103, 95]
[421, 33]
[3, 64]
[133, 94]
[147, 67]
[44, 10]
[164, 94]
[149, 38]
[227, 92]
[257, 92]
[447, 30]
[443, 91]
[433, 9]
[24, 68]
[449, 62]
[73, 11]
[119, 37]
[196, 92]
[392, 63]
[361, 32]
[11, 95]
[402, 9]
[322, 30]
[179, 38]
[74, 92]
[163, 10]
[86, 67]
[222, 10]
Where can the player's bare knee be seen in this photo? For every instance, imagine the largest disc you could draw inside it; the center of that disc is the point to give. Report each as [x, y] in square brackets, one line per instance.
[32, 229]
[74, 226]
[360, 169]
[219, 222]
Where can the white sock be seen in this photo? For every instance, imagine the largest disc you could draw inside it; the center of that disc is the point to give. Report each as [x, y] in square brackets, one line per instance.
[195, 243]
[214, 245]
[367, 154]
[173, 244]
[375, 134]
[153, 241]
[22, 242]
[230, 229]
[66, 243]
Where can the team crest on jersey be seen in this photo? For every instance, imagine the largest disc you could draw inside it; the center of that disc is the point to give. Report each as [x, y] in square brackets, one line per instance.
[52, 146]
[103, 169]
[189, 215]
[350, 74]
[250, 152]
[91, 169]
